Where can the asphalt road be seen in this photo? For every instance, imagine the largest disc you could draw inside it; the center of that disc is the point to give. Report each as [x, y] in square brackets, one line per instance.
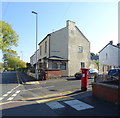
[12, 90]
[57, 97]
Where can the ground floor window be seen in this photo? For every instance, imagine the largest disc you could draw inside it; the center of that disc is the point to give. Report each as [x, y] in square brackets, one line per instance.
[54, 65]
[63, 66]
[82, 64]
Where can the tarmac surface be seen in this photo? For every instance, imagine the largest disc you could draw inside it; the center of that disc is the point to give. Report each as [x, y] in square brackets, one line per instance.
[73, 104]
[67, 103]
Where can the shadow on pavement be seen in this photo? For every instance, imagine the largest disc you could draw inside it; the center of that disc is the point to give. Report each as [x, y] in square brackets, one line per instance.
[72, 79]
[101, 107]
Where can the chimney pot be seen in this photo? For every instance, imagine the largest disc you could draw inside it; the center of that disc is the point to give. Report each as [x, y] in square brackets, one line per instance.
[118, 45]
[111, 42]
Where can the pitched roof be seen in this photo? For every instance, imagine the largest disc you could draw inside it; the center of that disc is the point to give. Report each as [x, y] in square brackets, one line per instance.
[82, 33]
[56, 58]
[111, 45]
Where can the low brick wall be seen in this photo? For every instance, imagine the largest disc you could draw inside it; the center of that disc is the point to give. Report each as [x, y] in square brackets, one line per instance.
[106, 92]
[53, 74]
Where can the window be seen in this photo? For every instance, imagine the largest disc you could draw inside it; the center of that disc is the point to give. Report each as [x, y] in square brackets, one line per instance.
[63, 66]
[106, 56]
[82, 64]
[40, 50]
[54, 65]
[45, 46]
[80, 49]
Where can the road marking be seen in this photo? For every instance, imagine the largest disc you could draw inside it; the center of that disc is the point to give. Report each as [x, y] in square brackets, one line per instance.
[32, 82]
[5, 95]
[9, 92]
[17, 91]
[1, 98]
[55, 105]
[51, 99]
[10, 98]
[15, 87]
[3, 103]
[15, 94]
[52, 95]
[78, 105]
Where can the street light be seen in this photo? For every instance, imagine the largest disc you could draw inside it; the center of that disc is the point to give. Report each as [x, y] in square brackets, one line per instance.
[36, 72]
[21, 55]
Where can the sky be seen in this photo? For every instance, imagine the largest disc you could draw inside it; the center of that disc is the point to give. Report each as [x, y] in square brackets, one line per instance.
[98, 21]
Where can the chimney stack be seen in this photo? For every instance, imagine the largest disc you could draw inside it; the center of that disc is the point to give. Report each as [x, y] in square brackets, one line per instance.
[70, 23]
[118, 45]
[111, 42]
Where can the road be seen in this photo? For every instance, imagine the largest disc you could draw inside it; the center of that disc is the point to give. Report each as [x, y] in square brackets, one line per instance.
[12, 90]
[57, 97]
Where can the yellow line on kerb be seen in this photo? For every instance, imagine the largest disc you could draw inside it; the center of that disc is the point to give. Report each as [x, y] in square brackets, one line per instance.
[5, 102]
[55, 97]
[32, 82]
[46, 96]
[51, 99]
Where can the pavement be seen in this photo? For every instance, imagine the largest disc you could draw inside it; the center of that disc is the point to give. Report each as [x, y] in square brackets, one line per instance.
[67, 103]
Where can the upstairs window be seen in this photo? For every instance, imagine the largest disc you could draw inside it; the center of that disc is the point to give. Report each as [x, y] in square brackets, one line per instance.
[40, 50]
[80, 49]
[45, 46]
[106, 56]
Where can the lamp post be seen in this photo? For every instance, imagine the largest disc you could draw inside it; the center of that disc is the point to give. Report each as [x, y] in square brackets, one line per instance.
[21, 55]
[36, 71]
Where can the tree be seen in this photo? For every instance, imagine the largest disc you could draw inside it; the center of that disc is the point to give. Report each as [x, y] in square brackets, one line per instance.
[8, 37]
[93, 54]
[1, 65]
[13, 61]
[98, 64]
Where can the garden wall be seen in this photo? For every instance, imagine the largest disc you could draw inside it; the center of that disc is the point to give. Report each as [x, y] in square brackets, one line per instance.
[107, 92]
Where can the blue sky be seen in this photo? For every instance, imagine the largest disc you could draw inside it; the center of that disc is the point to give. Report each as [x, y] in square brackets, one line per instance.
[98, 21]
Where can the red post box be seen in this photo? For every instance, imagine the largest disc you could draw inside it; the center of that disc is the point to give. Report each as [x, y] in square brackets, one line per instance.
[84, 79]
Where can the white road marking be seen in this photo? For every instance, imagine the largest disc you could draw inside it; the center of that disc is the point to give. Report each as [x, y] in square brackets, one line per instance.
[78, 105]
[9, 92]
[55, 105]
[14, 95]
[1, 98]
[5, 95]
[15, 87]
[17, 91]
[10, 98]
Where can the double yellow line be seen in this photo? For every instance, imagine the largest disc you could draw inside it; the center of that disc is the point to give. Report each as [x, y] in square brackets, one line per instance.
[45, 98]
[48, 96]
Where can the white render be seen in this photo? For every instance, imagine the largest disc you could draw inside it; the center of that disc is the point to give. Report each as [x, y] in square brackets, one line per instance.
[110, 56]
[33, 57]
[69, 44]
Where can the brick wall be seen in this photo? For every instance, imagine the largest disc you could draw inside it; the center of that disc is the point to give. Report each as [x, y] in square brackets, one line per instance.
[53, 74]
[105, 92]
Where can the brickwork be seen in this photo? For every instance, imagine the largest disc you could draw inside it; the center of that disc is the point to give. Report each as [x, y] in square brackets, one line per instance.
[106, 92]
[53, 74]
